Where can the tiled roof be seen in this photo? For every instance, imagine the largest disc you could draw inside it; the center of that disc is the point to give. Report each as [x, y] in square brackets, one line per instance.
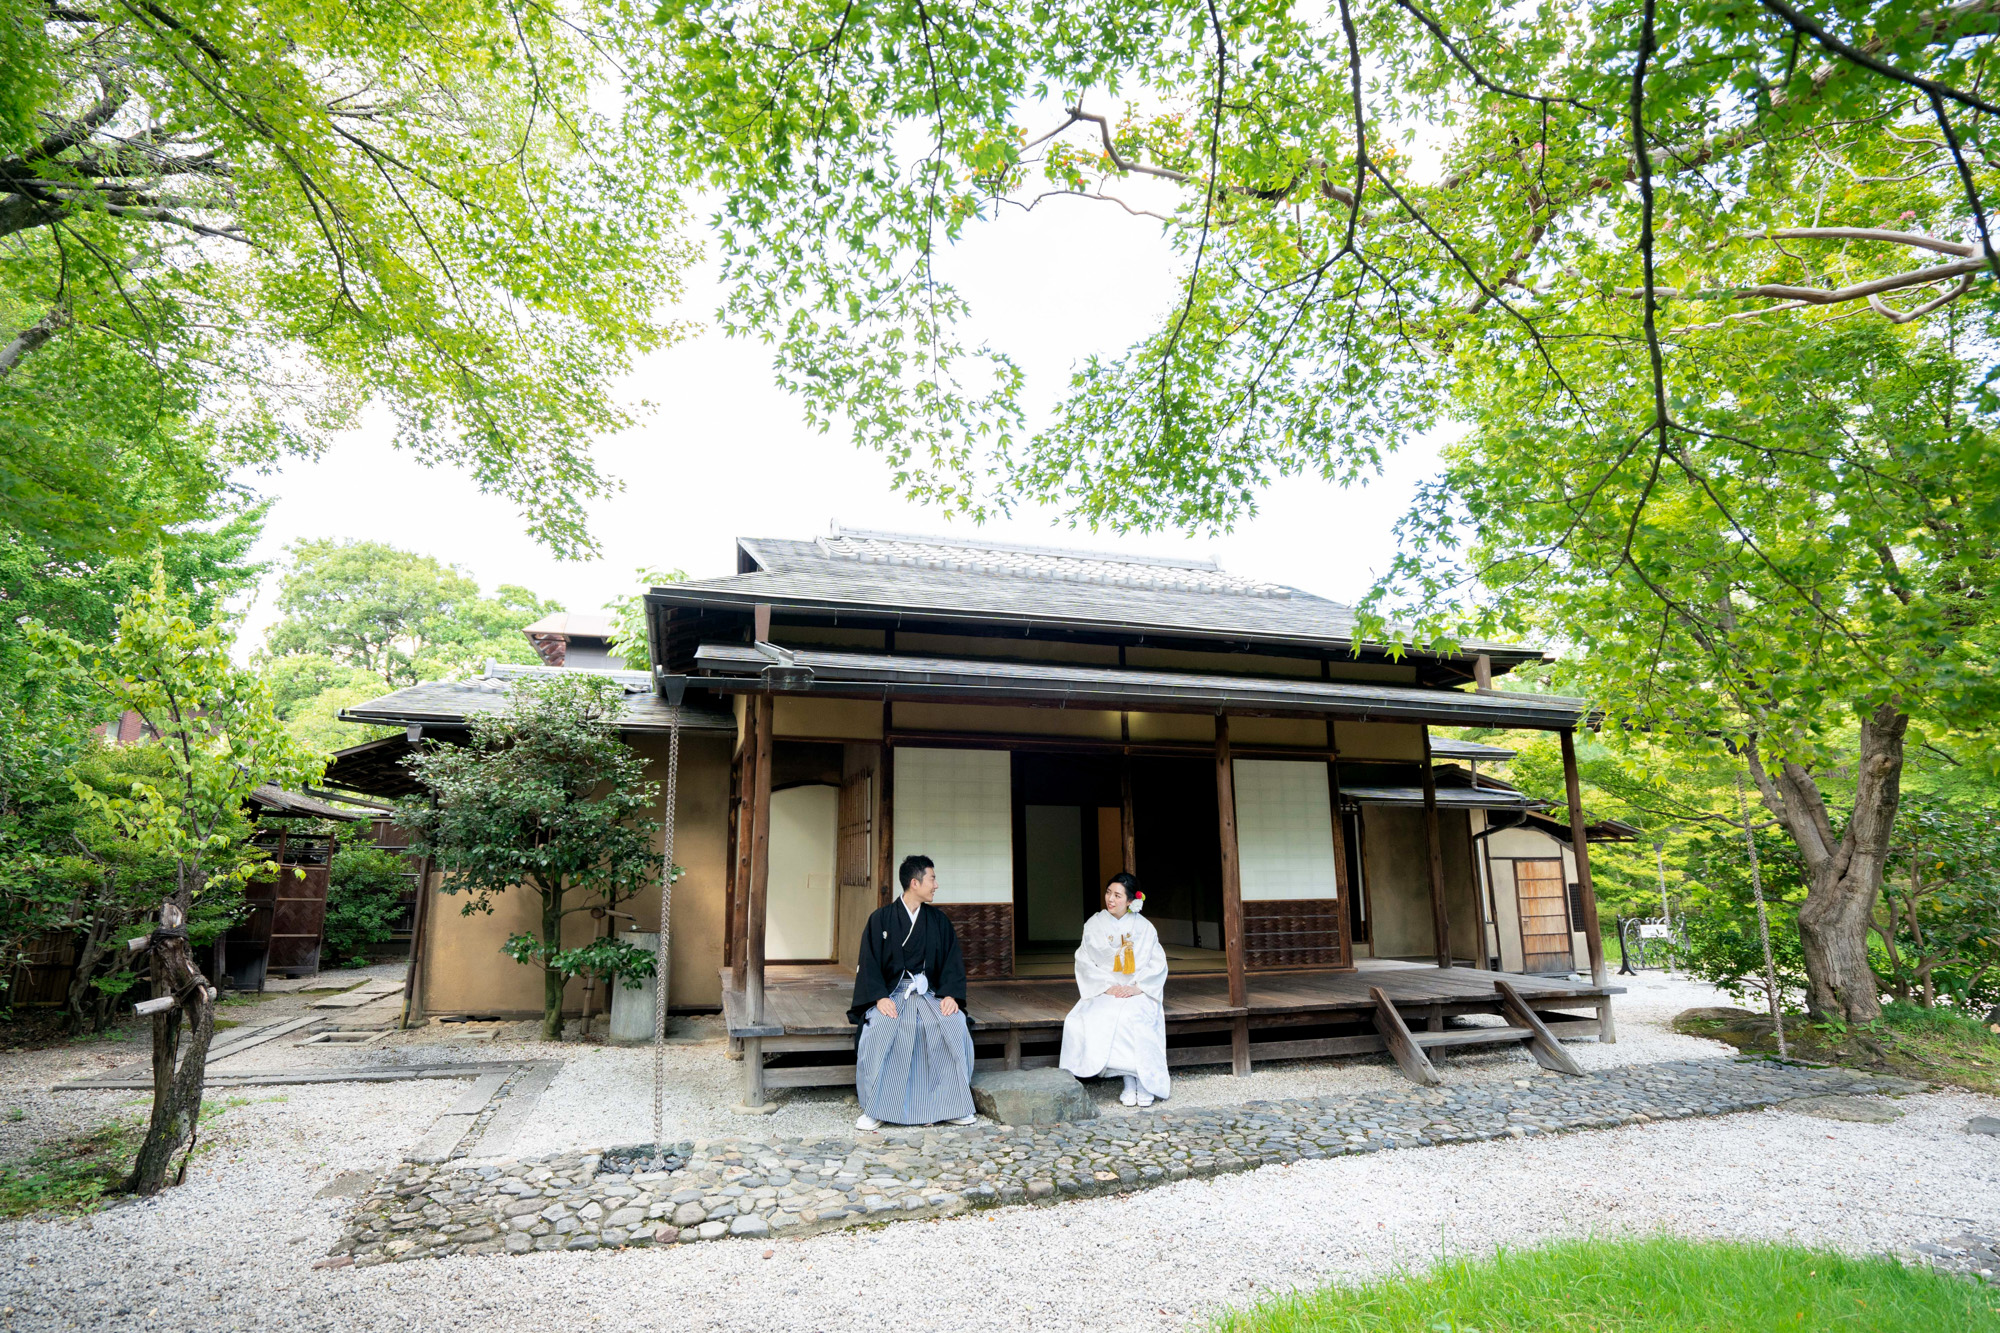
[983, 582]
[1048, 564]
[451, 702]
[1446, 747]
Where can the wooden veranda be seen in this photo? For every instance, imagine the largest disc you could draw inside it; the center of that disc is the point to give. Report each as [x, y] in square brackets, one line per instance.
[804, 1039]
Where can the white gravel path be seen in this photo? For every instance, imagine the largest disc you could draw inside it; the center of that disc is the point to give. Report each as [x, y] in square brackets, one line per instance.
[232, 1248]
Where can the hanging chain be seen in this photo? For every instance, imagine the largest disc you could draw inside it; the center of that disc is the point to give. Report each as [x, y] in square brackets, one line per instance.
[660, 948]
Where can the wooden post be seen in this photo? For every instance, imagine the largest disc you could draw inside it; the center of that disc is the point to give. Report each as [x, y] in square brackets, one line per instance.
[885, 841]
[732, 877]
[1482, 671]
[746, 829]
[1580, 845]
[413, 1000]
[1482, 896]
[1129, 827]
[1341, 887]
[1440, 918]
[760, 622]
[1232, 896]
[760, 865]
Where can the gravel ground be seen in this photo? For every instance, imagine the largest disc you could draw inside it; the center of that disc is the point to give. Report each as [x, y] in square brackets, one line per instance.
[232, 1248]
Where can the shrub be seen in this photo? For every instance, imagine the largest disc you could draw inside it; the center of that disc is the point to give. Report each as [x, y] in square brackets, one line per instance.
[364, 901]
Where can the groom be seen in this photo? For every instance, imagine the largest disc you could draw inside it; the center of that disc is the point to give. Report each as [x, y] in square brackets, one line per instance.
[913, 1064]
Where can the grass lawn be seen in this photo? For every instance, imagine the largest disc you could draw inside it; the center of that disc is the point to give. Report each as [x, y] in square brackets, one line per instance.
[1646, 1286]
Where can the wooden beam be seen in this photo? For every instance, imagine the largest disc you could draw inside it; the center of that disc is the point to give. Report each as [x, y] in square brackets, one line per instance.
[1129, 826]
[1232, 892]
[1580, 846]
[1542, 1045]
[1402, 1045]
[1440, 917]
[760, 867]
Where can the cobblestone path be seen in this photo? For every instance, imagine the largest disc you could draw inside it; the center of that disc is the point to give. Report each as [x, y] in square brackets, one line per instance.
[756, 1188]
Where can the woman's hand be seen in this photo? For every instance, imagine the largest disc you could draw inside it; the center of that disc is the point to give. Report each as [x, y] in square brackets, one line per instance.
[1121, 992]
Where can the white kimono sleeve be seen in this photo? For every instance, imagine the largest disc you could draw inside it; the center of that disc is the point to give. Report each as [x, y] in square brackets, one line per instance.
[1151, 978]
[1093, 964]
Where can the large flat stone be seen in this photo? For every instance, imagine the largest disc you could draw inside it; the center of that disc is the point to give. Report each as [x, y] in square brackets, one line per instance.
[1846, 1108]
[1031, 1097]
[1983, 1124]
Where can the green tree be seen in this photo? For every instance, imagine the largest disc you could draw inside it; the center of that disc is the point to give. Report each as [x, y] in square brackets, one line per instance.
[1707, 294]
[629, 642]
[398, 616]
[1939, 925]
[219, 740]
[250, 219]
[544, 797]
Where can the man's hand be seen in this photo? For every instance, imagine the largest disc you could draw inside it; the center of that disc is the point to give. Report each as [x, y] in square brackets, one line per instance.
[1122, 992]
[886, 1007]
[947, 1006]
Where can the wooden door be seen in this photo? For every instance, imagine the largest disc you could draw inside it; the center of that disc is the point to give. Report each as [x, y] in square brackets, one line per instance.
[1545, 943]
[856, 855]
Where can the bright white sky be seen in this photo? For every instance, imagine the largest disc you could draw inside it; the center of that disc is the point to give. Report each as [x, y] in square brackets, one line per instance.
[727, 454]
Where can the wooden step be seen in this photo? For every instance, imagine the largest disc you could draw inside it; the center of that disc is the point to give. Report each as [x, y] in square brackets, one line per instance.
[1471, 1036]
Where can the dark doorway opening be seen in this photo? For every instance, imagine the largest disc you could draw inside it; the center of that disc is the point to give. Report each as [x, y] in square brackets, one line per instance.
[1179, 850]
[1068, 838]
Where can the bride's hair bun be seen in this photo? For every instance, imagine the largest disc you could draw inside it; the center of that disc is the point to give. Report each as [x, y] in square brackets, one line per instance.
[1134, 895]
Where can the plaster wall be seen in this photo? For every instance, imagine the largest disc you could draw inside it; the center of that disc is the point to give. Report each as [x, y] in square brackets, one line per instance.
[1396, 862]
[464, 972]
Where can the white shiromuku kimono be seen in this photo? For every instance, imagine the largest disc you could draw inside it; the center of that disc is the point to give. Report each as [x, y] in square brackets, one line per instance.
[1104, 1035]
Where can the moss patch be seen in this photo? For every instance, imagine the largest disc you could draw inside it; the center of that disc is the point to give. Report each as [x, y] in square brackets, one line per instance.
[1930, 1045]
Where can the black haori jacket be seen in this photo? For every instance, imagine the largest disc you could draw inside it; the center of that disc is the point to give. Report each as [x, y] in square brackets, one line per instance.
[932, 950]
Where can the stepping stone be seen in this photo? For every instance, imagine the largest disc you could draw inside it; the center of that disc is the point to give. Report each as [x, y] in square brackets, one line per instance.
[1031, 1097]
[1851, 1109]
[1983, 1124]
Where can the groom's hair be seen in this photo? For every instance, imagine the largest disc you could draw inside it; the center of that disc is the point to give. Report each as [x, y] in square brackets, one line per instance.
[913, 867]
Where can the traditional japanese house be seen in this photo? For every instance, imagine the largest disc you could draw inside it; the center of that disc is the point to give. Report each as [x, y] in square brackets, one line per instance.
[1036, 719]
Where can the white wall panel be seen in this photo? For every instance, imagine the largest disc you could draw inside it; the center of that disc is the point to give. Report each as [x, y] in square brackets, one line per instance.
[799, 911]
[957, 807]
[1284, 829]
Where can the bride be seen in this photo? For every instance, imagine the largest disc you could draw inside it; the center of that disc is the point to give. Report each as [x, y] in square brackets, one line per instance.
[1118, 1026]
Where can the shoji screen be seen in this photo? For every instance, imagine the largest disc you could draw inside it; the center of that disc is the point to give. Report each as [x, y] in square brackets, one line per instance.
[1284, 829]
[957, 807]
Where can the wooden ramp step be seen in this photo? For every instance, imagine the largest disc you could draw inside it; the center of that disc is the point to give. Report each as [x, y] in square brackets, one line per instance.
[1471, 1036]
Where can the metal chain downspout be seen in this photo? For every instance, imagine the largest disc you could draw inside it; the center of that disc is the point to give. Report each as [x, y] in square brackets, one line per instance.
[660, 949]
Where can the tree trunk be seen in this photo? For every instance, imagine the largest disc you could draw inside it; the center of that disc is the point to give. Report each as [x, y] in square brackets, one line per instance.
[1844, 878]
[552, 980]
[177, 1087]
